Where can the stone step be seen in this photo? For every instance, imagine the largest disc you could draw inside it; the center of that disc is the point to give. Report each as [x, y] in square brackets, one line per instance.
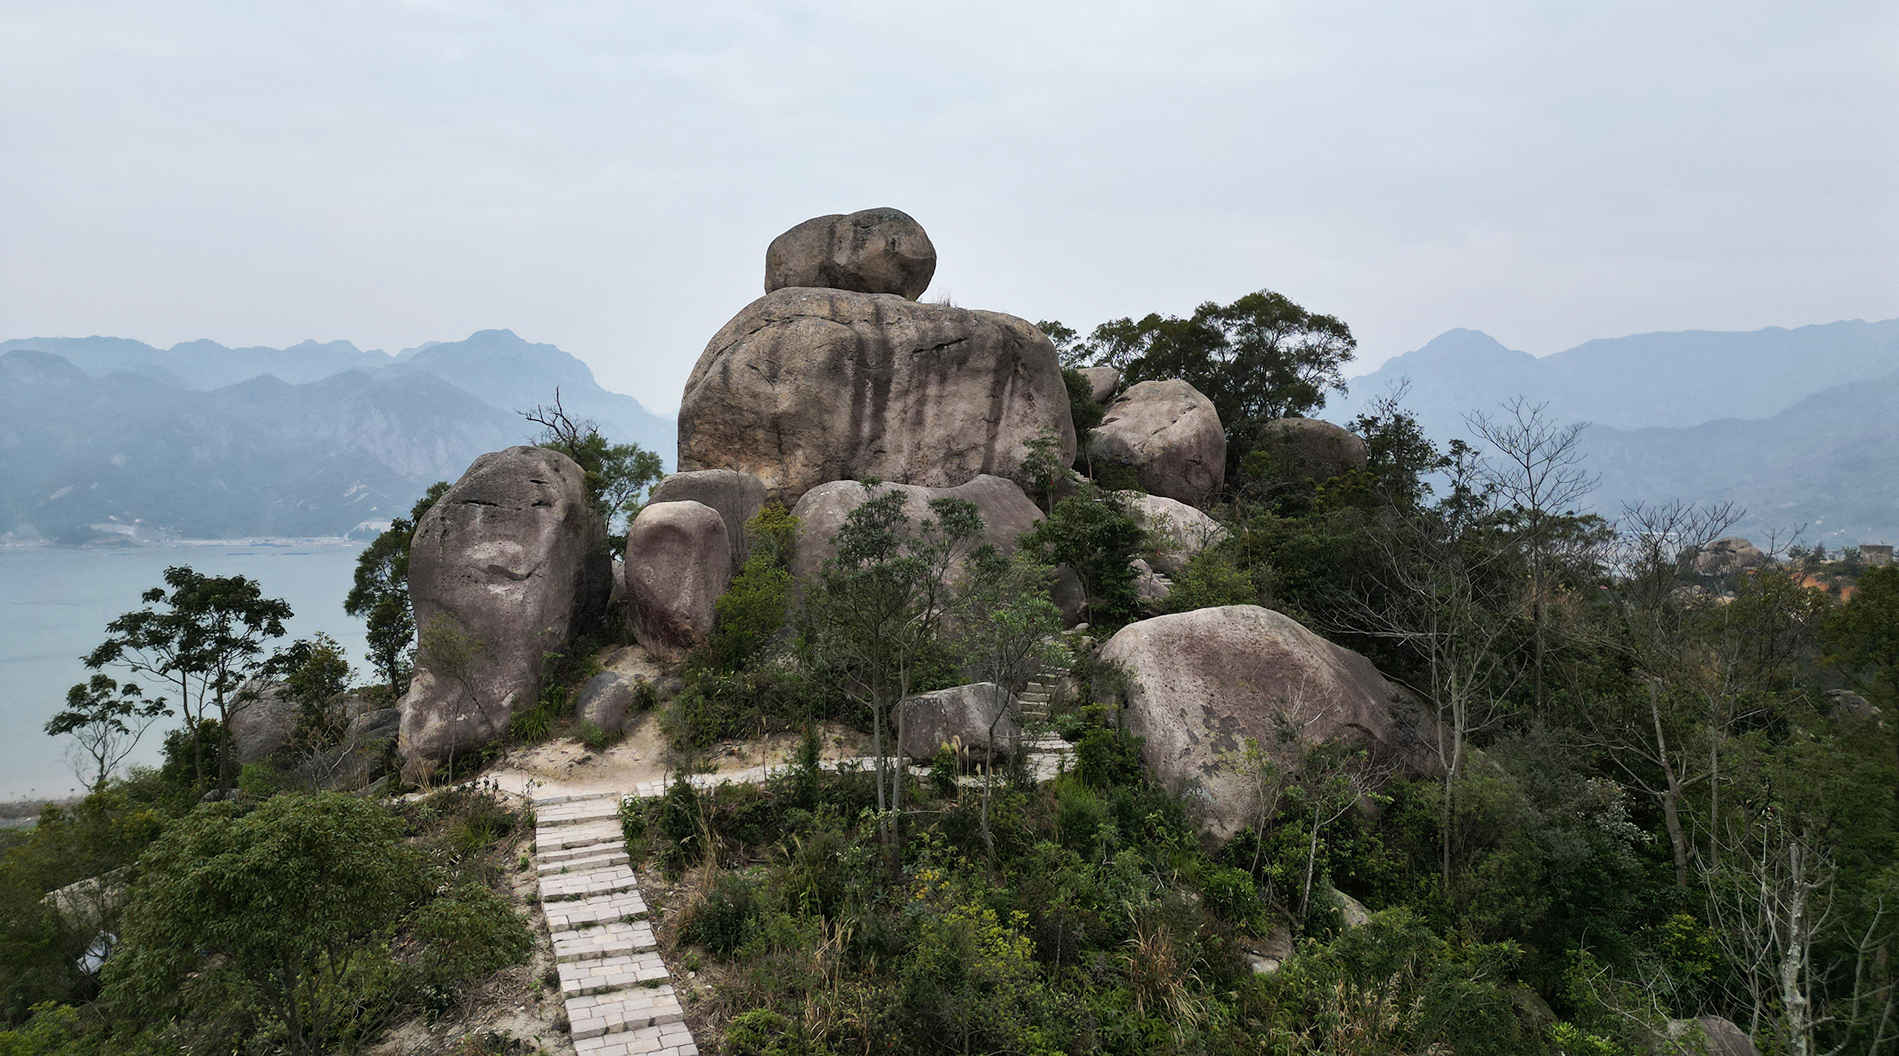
[621, 971]
[552, 799]
[610, 880]
[575, 914]
[585, 859]
[666, 1039]
[613, 939]
[613, 842]
[578, 813]
[592, 1015]
[562, 837]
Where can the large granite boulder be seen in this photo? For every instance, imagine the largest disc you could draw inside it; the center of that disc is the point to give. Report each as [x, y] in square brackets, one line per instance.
[509, 565]
[678, 562]
[1311, 449]
[1171, 436]
[870, 251]
[1102, 381]
[1732, 554]
[1176, 531]
[1201, 683]
[1006, 513]
[736, 496]
[264, 722]
[806, 386]
[1710, 1036]
[607, 699]
[959, 715]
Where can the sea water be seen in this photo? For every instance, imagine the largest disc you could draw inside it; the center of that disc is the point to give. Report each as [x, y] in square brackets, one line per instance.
[54, 607]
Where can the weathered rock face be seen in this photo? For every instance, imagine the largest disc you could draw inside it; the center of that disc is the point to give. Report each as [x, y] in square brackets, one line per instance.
[1150, 589]
[1310, 448]
[1102, 381]
[1170, 434]
[1006, 513]
[870, 251]
[263, 727]
[510, 564]
[678, 562]
[958, 715]
[1729, 555]
[606, 700]
[806, 386]
[1202, 682]
[1722, 1035]
[737, 497]
[1179, 531]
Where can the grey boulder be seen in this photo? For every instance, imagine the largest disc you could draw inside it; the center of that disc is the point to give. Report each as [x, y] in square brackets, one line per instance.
[806, 386]
[870, 251]
[1175, 530]
[1170, 435]
[1732, 554]
[509, 565]
[1201, 684]
[1311, 449]
[263, 725]
[678, 562]
[606, 700]
[1720, 1036]
[1006, 513]
[737, 497]
[1150, 588]
[1102, 381]
[960, 717]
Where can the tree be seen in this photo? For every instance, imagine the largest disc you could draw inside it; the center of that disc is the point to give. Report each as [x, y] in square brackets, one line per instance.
[881, 604]
[105, 720]
[315, 672]
[1093, 534]
[616, 475]
[1863, 634]
[1259, 358]
[1539, 475]
[380, 593]
[205, 637]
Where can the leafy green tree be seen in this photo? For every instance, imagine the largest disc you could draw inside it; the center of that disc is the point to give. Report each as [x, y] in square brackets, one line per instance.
[105, 721]
[617, 475]
[315, 672]
[205, 637]
[754, 608]
[1863, 634]
[291, 904]
[380, 593]
[1259, 358]
[1092, 533]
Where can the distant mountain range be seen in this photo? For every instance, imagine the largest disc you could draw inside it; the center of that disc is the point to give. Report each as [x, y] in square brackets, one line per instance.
[104, 438]
[1798, 426]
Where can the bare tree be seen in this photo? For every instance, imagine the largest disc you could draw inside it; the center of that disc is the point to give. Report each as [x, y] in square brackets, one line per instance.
[1539, 473]
[105, 720]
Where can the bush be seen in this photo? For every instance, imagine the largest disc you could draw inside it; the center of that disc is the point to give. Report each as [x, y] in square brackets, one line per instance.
[726, 918]
[1082, 408]
[1211, 579]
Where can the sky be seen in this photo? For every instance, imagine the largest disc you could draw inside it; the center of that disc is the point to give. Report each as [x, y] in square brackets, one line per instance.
[606, 176]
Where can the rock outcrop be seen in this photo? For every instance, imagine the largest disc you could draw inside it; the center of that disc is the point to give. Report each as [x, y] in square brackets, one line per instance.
[1170, 435]
[1177, 531]
[1201, 683]
[736, 496]
[510, 564]
[1732, 554]
[1310, 448]
[806, 386]
[1720, 1035]
[679, 560]
[264, 725]
[870, 251]
[961, 716]
[1006, 513]
[1102, 381]
[1150, 588]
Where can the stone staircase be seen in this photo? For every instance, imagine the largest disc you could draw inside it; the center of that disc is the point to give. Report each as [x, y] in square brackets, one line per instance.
[1047, 752]
[612, 979]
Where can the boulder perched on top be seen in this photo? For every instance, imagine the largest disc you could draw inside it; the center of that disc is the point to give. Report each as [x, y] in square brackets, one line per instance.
[958, 716]
[808, 386]
[1201, 683]
[1006, 513]
[678, 562]
[1102, 381]
[1729, 555]
[1176, 530]
[1171, 436]
[507, 566]
[1310, 448]
[870, 251]
[736, 496]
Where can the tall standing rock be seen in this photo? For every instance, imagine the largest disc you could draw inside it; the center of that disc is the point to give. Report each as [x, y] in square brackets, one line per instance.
[507, 566]
[1170, 434]
[736, 496]
[678, 562]
[872, 251]
[1201, 683]
[806, 386]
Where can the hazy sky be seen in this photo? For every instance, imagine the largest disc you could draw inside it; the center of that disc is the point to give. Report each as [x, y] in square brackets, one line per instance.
[605, 176]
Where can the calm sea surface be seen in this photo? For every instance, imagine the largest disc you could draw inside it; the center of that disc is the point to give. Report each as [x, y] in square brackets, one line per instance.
[55, 603]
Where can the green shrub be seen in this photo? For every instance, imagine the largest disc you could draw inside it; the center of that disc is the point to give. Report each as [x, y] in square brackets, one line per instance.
[466, 934]
[1211, 579]
[726, 918]
[1107, 757]
[1082, 408]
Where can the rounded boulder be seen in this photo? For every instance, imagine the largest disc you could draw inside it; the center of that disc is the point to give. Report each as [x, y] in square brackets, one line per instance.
[1006, 513]
[870, 251]
[736, 496]
[1312, 449]
[1170, 435]
[678, 562]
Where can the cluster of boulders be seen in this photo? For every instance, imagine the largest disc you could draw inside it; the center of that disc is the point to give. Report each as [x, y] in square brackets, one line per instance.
[835, 376]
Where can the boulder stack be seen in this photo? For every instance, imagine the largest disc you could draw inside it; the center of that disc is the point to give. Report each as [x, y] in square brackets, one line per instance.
[509, 565]
[1170, 435]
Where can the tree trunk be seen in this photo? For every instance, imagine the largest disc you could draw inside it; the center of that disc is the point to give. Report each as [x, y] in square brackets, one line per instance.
[1671, 790]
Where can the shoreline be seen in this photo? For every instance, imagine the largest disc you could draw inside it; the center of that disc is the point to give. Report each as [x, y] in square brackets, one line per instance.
[272, 541]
